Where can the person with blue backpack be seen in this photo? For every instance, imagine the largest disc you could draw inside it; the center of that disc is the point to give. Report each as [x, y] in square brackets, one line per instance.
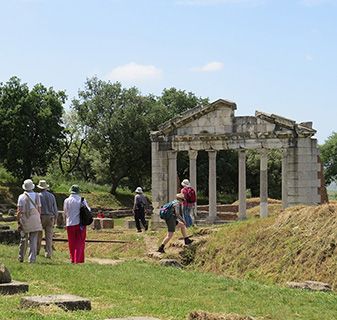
[171, 213]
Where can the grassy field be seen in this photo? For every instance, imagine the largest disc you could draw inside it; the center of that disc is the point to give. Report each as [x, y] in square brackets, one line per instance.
[235, 269]
[138, 286]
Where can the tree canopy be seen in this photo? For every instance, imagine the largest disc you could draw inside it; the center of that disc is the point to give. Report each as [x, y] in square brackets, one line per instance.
[31, 127]
[329, 158]
[119, 121]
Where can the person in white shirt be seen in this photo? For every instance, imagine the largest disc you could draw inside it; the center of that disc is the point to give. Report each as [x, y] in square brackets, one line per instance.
[76, 232]
[29, 222]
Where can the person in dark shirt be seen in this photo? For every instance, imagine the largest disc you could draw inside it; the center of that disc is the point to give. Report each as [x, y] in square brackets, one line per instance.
[139, 205]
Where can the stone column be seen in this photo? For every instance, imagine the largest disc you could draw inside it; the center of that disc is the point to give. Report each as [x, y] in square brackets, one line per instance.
[284, 178]
[303, 172]
[263, 183]
[193, 173]
[193, 168]
[159, 182]
[172, 180]
[212, 210]
[242, 185]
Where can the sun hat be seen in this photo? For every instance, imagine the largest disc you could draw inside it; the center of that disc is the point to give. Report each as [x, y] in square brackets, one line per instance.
[180, 196]
[74, 189]
[43, 184]
[186, 183]
[139, 190]
[28, 185]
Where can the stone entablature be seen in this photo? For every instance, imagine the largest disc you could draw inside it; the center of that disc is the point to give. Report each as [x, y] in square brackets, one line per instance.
[215, 127]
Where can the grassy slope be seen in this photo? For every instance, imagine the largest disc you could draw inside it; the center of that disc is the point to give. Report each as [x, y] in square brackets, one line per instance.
[297, 244]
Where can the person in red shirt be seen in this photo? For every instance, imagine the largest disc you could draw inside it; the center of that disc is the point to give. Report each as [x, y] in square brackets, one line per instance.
[189, 202]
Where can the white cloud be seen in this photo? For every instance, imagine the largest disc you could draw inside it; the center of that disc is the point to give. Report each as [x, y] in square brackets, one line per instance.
[209, 67]
[134, 72]
[216, 2]
[309, 57]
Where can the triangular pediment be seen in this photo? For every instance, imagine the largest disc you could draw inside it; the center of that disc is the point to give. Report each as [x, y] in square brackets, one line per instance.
[283, 124]
[213, 119]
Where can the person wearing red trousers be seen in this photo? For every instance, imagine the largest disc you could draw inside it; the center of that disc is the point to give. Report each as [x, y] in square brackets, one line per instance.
[76, 232]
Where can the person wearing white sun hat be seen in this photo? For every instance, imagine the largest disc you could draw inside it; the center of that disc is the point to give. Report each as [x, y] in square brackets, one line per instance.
[189, 202]
[29, 222]
[48, 216]
[139, 206]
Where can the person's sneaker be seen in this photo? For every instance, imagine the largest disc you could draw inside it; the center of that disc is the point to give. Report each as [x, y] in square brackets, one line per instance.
[161, 249]
[139, 230]
[188, 241]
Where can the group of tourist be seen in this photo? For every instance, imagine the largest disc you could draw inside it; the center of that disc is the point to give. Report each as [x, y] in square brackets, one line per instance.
[37, 212]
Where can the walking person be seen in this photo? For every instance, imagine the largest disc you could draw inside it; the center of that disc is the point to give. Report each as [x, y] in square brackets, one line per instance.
[48, 217]
[139, 206]
[189, 202]
[29, 222]
[173, 221]
[76, 232]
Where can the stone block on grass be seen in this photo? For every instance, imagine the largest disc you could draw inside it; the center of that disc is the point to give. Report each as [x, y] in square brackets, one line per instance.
[13, 287]
[5, 276]
[9, 236]
[170, 263]
[67, 302]
[96, 225]
[310, 285]
[107, 223]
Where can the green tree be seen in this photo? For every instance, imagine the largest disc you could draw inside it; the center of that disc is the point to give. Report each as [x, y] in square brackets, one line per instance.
[118, 123]
[31, 127]
[274, 173]
[177, 101]
[329, 158]
[71, 157]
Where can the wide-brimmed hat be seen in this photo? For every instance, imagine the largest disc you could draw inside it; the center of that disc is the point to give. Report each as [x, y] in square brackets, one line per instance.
[186, 183]
[43, 184]
[28, 185]
[180, 196]
[139, 190]
[74, 189]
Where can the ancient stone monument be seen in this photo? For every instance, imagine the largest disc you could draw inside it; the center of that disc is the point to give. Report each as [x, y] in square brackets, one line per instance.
[215, 127]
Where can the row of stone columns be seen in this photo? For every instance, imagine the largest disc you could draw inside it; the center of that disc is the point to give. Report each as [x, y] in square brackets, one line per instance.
[172, 166]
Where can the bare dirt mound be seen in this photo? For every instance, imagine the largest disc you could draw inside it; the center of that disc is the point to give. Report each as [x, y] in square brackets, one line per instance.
[294, 245]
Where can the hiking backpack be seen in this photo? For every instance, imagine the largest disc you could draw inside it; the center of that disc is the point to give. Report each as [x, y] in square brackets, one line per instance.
[190, 195]
[166, 210]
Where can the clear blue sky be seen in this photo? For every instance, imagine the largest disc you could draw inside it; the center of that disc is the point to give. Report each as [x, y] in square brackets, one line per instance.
[267, 55]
